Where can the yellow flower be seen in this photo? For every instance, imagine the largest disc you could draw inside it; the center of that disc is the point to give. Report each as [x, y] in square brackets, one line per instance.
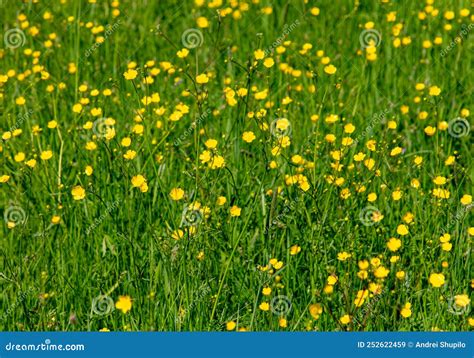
[396, 151]
[375, 261]
[176, 194]
[268, 62]
[381, 272]
[91, 146]
[394, 244]
[125, 142]
[332, 280]
[124, 304]
[397, 195]
[4, 178]
[402, 230]
[400, 275]
[363, 264]
[406, 310]
[52, 124]
[31, 163]
[202, 78]
[78, 192]
[418, 160]
[466, 199]
[138, 129]
[369, 163]
[211, 144]
[330, 69]
[346, 319]
[130, 154]
[423, 115]
[436, 279]
[278, 265]
[47, 154]
[328, 289]
[217, 162]
[375, 288]
[343, 256]
[447, 246]
[55, 219]
[360, 297]
[315, 11]
[439, 180]
[420, 86]
[295, 249]
[315, 310]
[230, 326]
[266, 291]
[248, 137]
[202, 22]
[408, 217]
[104, 330]
[6, 135]
[130, 74]
[259, 54]
[462, 300]
[20, 101]
[205, 156]
[282, 125]
[429, 130]
[445, 238]
[177, 234]
[88, 170]
[139, 181]
[264, 306]
[372, 197]
[221, 200]
[434, 91]
[235, 211]
[183, 53]
[332, 118]
[96, 112]
[19, 157]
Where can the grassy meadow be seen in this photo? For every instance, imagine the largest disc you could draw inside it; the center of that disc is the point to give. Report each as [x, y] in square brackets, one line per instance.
[236, 165]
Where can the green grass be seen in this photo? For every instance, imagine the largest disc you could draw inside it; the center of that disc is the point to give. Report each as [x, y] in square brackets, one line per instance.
[117, 241]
